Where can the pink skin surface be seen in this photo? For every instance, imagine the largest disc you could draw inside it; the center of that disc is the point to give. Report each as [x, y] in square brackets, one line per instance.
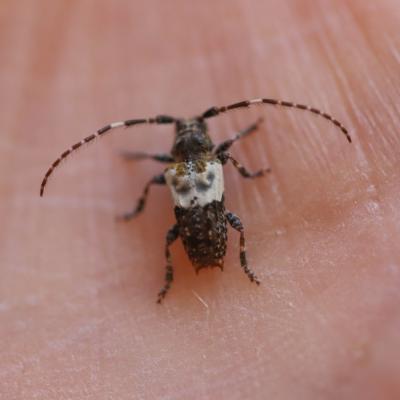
[78, 318]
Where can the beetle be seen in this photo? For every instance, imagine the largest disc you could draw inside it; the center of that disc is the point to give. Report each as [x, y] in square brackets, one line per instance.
[195, 178]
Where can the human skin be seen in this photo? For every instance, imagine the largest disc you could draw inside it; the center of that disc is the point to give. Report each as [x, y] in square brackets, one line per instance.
[78, 312]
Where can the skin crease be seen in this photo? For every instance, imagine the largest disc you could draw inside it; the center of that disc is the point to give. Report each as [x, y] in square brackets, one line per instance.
[78, 318]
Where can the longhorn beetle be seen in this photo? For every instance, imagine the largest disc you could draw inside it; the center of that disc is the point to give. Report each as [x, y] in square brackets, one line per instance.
[195, 177]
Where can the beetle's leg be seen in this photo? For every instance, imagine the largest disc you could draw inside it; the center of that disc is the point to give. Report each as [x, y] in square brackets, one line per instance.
[224, 157]
[137, 155]
[156, 180]
[172, 235]
[224, 146]
[237, 225]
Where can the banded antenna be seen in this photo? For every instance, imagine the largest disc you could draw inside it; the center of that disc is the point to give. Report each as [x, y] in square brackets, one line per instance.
[160, 119]
[164, 119]
[214, 111]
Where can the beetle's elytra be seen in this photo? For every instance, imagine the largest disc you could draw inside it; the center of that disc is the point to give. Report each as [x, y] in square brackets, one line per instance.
[195, 177]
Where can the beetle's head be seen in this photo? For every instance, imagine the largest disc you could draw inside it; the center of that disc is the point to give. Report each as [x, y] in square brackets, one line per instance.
[192, 140]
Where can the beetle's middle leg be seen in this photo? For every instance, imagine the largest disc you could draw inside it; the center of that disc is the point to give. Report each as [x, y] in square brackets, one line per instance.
[225, 157]
[156, 180]
[236, 224]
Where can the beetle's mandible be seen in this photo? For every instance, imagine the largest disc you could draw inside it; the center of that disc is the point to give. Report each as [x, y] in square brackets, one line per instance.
[195, 177]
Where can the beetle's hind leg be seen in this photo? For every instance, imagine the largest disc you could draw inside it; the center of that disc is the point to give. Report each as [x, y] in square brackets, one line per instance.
[172, 235]
[156, 180]
[236, 224]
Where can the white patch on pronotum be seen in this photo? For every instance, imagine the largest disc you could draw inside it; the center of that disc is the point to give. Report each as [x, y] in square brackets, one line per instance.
[196, 188]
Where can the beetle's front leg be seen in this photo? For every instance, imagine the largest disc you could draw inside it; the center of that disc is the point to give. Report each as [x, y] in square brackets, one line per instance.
[138, 155]
[225, 145]
[156, 180]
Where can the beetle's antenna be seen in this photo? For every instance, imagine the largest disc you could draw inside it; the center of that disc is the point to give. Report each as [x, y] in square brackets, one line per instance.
[160, 119]
[213, 111]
